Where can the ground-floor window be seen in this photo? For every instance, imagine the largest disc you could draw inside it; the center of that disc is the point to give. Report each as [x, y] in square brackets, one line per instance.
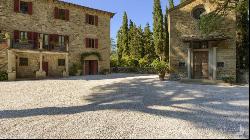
[61, 62]
[23, 62]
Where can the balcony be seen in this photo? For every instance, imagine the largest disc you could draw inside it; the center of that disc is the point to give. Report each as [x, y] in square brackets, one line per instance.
[31, 45]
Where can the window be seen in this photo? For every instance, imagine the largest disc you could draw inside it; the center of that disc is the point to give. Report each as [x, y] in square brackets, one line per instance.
[91, 43]
[220, 64]
[182, 64]
[92, 20]
[61, 41]
[61, 62]
[23, 62]
[24, 7]
[198, 12]
[62, 14]
[24, 36]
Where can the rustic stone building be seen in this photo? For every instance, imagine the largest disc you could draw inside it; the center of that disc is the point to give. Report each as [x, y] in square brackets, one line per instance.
[195, 56]
[48, 36]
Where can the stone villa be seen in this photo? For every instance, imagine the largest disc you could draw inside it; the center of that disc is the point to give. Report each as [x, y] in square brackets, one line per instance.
[195, 56]
[46, 37]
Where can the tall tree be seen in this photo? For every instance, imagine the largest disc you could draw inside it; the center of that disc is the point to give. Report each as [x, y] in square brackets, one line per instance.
[125, 35]
[131, 31]
[158, 29]
[171, 3]
[183, 1]
[166, 36]
[119, 46]
[149, 43]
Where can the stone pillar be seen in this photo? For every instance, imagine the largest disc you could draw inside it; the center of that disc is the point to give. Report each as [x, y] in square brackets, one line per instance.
[41, 62]
[189, 63]
[66, 72]
[40, 73]
[11, 60]
[214, 63]
[67, 47]
[41, 43]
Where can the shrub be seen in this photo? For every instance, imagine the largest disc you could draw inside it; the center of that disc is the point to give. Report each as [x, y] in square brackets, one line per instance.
[160, 66]
[113, 62]
[129, 62]
[73, 70]
[228, 79]
[3, 76]
[143, 63]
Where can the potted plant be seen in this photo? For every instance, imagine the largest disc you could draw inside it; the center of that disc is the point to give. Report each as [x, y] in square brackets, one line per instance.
[161, 67]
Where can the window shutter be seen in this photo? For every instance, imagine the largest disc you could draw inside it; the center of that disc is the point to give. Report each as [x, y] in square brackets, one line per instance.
[35, 39]
[30, 8]
[87, 42]
[56, 13]
[96, 43]
[87, 18]
[30, 37]
[16, 35]
[96, 20]
[66, 38]
[66, 14]
[16, 6]
[86, 67]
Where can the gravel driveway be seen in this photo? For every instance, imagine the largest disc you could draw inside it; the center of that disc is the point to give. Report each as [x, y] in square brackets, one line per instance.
[122, 106]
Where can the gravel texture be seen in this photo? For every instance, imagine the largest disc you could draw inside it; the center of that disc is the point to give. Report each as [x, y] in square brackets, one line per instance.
[122, 106]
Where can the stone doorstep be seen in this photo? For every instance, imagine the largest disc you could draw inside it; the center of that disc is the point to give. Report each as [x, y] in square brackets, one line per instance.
[204, 82]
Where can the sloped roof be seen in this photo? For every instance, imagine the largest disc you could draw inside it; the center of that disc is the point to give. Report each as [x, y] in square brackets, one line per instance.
[88, 8]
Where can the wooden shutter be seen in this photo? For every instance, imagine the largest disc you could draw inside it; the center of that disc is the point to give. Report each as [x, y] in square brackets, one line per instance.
[56, 13]
[86, 67]
[66, 14]
[35, 39]
[95, 67]
[87, 18]
[16, 6]
[16, 35]
[30, 8]
[96, 43]
[66, 39]
[30, 37]
[96, 20]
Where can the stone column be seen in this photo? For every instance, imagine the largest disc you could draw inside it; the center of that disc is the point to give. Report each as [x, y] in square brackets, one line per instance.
[41, 43]
[11, 72]
[214, 63]
[189, 63]
[41, 62]
[40, 73]
[66, 73]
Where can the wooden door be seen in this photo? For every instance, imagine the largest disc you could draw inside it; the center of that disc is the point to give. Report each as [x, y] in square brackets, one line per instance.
[200, 69]
[94, 67]
[86, 67]
[46, 68]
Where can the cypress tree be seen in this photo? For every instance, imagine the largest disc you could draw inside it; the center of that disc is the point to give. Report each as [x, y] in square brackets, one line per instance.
[125, 35]
[166, 36]
[119, 46]
[149, 43]
[171, 3]
[158, 29]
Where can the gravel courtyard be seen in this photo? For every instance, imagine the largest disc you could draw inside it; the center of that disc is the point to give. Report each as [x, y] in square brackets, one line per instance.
[122, 106]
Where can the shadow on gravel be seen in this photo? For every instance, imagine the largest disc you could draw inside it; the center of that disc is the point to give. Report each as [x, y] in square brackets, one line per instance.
[209, 109]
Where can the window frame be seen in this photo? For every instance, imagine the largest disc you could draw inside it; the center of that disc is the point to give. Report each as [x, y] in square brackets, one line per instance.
[61, 62]
[23, 3]
[23, 61]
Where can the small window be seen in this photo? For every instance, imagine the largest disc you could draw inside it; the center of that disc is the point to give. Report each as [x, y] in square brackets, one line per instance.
[23, 62]
[62, 14]
[61, 41]
[90, 43]
[92, 19]
[61, 62]
[198, 12]
[24, 7]
[220, 64]
[182, 64]
[24, 36]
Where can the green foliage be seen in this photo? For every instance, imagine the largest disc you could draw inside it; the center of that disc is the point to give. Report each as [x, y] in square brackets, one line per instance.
[171, 3]
[158, 29]
[114, 61]
[160, 66]
[74, 69]
[166, 36]
[119, 46]
[149, 44]
[2, 37]
[129, 62]
[3, 76]
[210, 23]
[124, 35]
[144, 62]
[229, 79]
[86, 54]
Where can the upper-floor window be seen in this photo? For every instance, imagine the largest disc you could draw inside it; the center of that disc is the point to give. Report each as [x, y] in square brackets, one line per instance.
[198, 11]
[91, 43]
[62, 14]
[23, 7]
[91, 19]
[23, 37]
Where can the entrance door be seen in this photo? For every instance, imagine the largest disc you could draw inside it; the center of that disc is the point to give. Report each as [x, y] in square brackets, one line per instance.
[200, 68]
[90, 67]
[46, 68]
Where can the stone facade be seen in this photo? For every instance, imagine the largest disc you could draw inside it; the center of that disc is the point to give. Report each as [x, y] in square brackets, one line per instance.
[182, 23]
[42, 21]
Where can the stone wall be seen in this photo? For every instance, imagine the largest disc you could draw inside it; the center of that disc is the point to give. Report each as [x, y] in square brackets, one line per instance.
[3, 57]
[181, 23]
[42, 21]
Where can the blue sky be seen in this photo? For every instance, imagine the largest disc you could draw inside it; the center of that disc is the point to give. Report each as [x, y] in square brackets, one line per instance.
[139, 11]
